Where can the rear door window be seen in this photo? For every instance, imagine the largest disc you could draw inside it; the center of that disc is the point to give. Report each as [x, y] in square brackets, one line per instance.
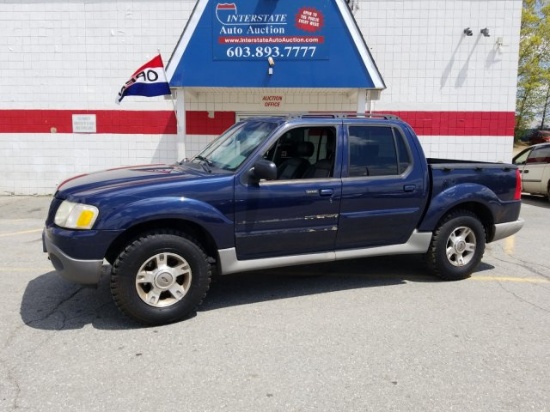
[377, 151]
[539, 155]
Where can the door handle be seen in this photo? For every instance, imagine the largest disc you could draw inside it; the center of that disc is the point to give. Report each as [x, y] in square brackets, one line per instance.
[409, 188]
[526, 171]
[326, 192]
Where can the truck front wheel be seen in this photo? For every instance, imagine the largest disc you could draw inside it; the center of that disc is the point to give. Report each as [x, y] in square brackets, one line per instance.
[160, 278]
[457, 246]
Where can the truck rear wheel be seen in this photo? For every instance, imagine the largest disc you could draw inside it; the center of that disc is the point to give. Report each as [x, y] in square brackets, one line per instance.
[457, 246]
[160, 278]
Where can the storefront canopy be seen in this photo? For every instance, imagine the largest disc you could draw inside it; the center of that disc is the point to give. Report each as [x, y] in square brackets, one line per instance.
[273, 43]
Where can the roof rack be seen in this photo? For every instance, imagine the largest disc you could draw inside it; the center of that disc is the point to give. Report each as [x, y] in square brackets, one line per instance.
[313, 115]
[385, 116]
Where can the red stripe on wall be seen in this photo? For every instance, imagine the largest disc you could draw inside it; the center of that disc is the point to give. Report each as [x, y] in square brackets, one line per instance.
[460, 123]
[107, 121]
[201, 123]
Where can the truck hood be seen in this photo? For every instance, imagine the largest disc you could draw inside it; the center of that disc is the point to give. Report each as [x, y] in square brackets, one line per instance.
[130, 177]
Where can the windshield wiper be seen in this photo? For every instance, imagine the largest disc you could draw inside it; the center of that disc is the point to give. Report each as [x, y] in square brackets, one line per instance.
[206, 164]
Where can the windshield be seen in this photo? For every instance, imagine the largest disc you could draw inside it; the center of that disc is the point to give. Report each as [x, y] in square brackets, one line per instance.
[232, 148]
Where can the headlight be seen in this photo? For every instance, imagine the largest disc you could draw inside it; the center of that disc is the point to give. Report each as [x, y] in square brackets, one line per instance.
[72, 215]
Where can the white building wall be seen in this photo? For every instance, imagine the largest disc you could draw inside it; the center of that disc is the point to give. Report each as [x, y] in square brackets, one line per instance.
[428, 63]
[75, 55]
[38, 163]
[484, 149]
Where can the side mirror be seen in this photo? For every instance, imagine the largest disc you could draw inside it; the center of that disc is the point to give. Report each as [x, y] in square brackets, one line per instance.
[264, 169]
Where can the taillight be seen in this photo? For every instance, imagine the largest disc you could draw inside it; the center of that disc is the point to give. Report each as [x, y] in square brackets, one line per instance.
[517, 194]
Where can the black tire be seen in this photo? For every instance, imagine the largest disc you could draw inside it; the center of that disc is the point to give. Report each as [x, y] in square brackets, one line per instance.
[160, 278]
[457, 246]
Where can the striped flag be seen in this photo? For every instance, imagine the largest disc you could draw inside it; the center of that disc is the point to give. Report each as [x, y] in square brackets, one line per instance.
[149, 80]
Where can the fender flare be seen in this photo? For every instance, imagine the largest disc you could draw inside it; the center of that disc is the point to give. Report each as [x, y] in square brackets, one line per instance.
[200, 213]
[461, 194]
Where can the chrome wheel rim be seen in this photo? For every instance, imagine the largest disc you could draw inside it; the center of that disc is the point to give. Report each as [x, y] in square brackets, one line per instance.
[461, 246]
[163, 280]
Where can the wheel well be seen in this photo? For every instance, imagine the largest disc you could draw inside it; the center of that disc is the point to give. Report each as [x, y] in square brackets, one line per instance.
[482, 212]
[190, 228]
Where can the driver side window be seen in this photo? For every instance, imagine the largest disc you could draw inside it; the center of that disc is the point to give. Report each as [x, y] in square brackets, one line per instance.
[522, 158]
[304, 153]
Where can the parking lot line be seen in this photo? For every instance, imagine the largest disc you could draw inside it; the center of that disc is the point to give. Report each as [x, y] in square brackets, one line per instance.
[33, 269]
[509, 279]
[24, 232]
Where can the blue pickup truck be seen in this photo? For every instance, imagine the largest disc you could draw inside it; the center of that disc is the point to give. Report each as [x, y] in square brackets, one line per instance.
[272, 192]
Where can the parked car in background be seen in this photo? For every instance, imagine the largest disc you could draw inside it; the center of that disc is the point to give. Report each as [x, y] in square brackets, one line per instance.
[537, 136]
[534, 166]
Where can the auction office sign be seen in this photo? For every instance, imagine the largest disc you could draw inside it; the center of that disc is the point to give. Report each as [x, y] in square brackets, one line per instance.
[276, 29]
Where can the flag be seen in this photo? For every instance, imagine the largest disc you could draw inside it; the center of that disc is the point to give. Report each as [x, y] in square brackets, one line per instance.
[149, 80]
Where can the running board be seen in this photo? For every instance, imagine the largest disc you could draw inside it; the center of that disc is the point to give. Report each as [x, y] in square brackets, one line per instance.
[419, 242]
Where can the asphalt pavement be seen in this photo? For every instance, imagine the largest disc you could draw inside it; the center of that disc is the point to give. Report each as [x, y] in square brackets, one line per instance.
[365, 335]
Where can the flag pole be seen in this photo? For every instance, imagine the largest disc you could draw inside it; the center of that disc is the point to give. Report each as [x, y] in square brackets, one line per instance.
[175, 110]
[180, 125]
[171, 95]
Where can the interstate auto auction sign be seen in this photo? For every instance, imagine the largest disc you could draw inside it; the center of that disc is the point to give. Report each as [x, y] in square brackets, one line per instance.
[234, 43]
[282, 30]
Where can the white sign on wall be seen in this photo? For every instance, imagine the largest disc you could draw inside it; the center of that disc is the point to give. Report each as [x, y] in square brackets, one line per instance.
[84, 123]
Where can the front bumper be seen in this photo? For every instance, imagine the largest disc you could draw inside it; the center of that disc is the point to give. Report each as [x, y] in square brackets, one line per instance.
[83, 271]
[503, 230]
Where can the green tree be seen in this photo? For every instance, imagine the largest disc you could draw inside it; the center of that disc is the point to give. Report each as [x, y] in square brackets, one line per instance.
[534, 65]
